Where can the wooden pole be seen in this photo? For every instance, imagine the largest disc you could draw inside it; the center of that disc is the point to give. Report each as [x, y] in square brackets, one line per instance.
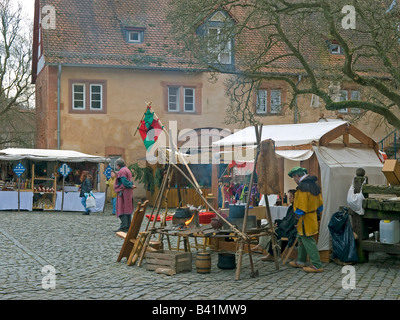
[271, 227]
[62, 199]
[164, 184]
[159, 195]
[137, 128]
[105, 198]
[241, 242]
[19, 194]
[149, 234]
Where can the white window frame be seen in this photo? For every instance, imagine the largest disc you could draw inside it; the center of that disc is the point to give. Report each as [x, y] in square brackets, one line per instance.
[335, 48]
[113, 160]
[177, 102]
[269, 93]
[193, 96]
[344, 96]
[315, 101]
[139, 33]
[277, 111]
[91, 97]
[84, 96]
[220, 48]
[262, 102]
[355, 110]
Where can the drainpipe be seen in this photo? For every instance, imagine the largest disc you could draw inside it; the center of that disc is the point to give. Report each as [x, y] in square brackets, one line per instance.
[295, 103]
[58, 105]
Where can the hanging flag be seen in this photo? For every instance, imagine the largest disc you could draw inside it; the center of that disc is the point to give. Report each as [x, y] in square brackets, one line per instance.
[149, 128]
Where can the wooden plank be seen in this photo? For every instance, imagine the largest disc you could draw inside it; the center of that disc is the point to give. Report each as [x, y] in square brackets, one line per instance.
[363, 138]
[297, 147]
[381, 205]
[380, 189]
[371, 245]
[333, 134]
[381, 214]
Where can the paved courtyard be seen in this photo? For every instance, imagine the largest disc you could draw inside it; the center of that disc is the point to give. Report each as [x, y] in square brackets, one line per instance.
[83, 250]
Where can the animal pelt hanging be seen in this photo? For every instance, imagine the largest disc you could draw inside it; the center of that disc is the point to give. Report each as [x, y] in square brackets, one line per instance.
[267, 169]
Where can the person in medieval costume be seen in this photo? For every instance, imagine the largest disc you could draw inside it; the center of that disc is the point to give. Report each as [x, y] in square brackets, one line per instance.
[124, 188]
[307, 207]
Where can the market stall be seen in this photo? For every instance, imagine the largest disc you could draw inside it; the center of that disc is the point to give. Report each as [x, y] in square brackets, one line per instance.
[40, 185]
[329, 150]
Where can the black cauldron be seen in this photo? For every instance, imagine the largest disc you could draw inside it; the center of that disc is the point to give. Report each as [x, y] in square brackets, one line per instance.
[182, 213]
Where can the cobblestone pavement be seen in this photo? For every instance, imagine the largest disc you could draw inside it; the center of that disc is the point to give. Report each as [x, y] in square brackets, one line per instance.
[84, 250]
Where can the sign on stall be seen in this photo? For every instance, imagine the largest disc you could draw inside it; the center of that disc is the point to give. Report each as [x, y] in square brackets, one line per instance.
[19, 169]
[64, 170]
[107, 172]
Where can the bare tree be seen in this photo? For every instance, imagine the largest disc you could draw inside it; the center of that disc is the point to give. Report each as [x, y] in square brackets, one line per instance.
[16, 91]
[289, 40]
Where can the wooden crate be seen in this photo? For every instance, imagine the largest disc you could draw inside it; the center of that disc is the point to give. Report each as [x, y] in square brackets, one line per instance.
[391, 170]
[176, 260]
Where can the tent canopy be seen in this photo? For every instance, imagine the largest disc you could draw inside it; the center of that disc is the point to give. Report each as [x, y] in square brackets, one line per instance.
[12, 154]
[283, 135]
[295, 141]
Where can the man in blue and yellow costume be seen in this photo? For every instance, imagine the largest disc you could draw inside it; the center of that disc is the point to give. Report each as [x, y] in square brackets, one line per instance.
[307, 207]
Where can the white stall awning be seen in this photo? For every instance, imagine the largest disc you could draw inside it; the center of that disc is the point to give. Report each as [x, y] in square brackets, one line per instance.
[12, 154]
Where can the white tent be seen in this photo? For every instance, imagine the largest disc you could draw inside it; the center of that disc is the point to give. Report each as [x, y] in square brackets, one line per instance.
[340, 149]
[284, 135]
[338, 167]
[12, 154]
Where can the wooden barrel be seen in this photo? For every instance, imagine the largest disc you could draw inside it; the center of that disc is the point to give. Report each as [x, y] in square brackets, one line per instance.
[203, 262]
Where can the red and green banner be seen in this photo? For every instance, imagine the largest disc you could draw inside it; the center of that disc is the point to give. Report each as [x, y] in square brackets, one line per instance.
[149, 129]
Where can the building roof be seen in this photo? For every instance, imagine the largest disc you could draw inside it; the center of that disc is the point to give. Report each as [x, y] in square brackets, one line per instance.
[91, 33]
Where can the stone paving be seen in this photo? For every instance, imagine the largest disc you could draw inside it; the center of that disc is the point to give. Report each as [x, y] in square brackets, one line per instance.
[84, 249]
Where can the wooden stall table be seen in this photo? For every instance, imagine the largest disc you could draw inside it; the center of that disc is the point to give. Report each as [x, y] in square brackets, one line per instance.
[383, 206]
